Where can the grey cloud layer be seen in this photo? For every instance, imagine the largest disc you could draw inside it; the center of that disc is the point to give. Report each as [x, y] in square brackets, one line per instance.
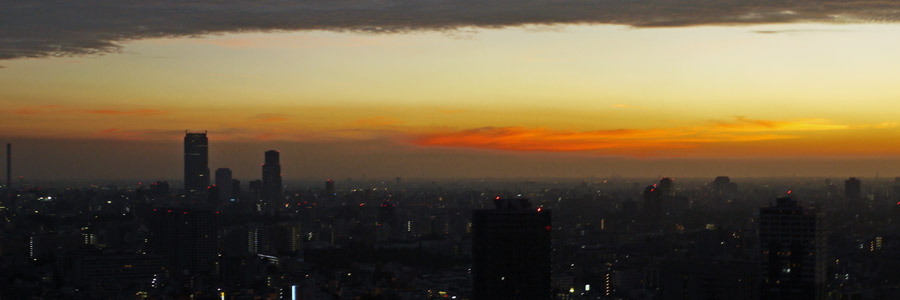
[60, 28]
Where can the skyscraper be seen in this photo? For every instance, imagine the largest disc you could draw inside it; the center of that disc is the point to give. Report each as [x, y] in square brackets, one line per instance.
[654, 197]
[511, 251]
[329, 188]
[852, 188]
[224, 183]
[8, 201]
[196, 162]
[8, 166]
[792, 246]
[271, 177]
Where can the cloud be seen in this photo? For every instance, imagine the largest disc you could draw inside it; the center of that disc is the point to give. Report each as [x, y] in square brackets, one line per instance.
[629, 142]
[138, 134]
[65, 28]
[108, 130]
[114, 112]
[791, 31]
[377, 121]
[269, 118]
[56, 109]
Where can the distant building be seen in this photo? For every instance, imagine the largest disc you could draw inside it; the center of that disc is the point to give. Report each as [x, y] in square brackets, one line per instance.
[271, 178]
[159, 189]
[511, 251]
[723, 185]
[196, 162]
[329, 188]
[852, 188]
[8, 166]
[224, 183]
[256, 192]
[388, 223]
[792, 247]
[654, 196]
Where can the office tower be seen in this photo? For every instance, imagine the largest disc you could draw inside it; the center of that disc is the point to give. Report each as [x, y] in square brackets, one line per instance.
[255, 189]
[254, 238]
[511, 251]
[196, 162]
[329, 188]
[159, 189]
[186, 239]
[792, 246]
[224, 183]
[8, 166]
[852, 188]
[271, 178]
[212, 197]
[9, 201]
[236, 188]
[896, 194]
[654, 196]
[286, 238]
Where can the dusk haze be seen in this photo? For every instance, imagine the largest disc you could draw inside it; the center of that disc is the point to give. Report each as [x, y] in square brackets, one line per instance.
[652, 149]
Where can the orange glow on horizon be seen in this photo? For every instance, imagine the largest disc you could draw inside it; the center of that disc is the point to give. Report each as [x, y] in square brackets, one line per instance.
[740, 138]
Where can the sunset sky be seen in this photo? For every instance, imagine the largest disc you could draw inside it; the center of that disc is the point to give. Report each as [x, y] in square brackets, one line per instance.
[699, 91]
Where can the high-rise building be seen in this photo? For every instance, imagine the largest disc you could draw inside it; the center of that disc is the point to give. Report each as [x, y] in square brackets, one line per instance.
[792, 245]
[186, 239]
[271, 178]
[8, 166]
[852, 188]
[224, 183]
[196, 162]
[9, 201]
[511, 251]
[654, 197]
[329, 188]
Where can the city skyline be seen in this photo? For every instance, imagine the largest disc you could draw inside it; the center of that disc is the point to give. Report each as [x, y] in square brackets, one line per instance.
[444, 149]
[607, 97]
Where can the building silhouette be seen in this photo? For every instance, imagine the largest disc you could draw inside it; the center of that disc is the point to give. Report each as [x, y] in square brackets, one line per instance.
[186, 239]
[511, 251]
[196, 162]
[723, 185]
[329, 188]
[9, 201]
[8, 166]
[792, 245]
[271, 178]
[224, 182]
[655, 196]
[852, 188]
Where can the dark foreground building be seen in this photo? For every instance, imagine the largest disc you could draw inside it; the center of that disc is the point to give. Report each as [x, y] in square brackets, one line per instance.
[186, 239]
[792, 247]
[511, 251]
[196, 162]
[271, 178]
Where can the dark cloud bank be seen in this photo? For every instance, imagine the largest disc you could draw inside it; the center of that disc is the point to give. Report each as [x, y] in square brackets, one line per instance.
[62, 28]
